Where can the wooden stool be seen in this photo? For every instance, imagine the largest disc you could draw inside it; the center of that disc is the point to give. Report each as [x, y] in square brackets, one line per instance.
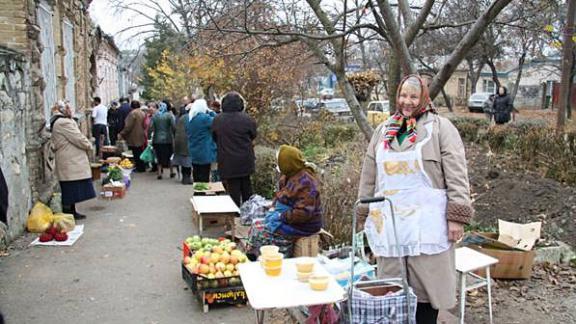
[307, 246]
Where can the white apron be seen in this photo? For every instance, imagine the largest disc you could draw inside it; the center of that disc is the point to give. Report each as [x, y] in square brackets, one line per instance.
[420, 209]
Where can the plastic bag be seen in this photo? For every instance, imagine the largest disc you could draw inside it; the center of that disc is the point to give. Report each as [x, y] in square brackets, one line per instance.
[64, 222]
[40, 218]
[255, 207]
[148, 155]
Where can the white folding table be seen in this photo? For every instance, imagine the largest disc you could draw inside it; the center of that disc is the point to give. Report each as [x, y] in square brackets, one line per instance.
[214, 207]
[285, 291]
[467, 261]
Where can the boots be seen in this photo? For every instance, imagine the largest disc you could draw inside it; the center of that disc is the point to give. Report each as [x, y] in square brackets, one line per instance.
[186, 176]
[71, 209]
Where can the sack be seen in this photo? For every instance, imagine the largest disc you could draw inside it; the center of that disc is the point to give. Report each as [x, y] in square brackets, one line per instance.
[148, 155]
[64, 222]
[255, 207]
[40, 218]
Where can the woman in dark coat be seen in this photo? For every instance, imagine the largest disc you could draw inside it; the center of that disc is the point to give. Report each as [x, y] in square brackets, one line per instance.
[181, 153]
[234, 132]
[162, 130]
[503, 106]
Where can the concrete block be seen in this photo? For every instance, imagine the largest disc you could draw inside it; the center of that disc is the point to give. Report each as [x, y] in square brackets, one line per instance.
[562, 253]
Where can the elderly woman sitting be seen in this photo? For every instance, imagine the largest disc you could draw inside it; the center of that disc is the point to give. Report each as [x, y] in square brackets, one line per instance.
[296, 207]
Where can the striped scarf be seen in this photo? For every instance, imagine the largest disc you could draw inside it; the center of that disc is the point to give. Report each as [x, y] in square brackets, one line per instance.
[398, 120]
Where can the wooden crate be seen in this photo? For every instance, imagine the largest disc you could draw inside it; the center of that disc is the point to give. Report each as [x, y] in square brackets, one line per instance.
[512, 264]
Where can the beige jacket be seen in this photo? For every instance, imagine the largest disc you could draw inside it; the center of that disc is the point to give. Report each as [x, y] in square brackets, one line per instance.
[72, 149]
[444, 162]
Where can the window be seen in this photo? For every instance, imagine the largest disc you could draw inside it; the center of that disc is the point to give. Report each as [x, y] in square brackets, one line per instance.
[489, 86]
[47, 60]
[461, 87]
[69, 63]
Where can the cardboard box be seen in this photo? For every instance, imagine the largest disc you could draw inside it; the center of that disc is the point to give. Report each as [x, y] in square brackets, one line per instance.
[512, 264]
[113, 192]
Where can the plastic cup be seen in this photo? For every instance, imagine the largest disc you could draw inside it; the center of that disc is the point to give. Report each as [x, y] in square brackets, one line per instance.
[273, 271]
[269, 250]
[274, 260]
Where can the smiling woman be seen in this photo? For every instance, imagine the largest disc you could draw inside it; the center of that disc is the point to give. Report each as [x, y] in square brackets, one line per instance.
[417, 160]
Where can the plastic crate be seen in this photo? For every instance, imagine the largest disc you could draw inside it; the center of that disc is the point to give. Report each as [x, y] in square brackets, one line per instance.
[230, 295]
[199, 283]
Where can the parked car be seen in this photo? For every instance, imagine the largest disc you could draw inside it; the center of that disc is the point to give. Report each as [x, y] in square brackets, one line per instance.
[377, 112]
[337, 107]
[476, 101]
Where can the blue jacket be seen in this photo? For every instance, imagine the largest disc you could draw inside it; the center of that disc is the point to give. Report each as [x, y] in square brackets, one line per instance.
[201, 146]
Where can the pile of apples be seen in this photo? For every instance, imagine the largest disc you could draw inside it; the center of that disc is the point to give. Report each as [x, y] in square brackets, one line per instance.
[214, 259]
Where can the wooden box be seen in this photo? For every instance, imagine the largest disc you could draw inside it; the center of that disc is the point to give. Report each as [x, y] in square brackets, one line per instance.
[512, 264]
[113, 192]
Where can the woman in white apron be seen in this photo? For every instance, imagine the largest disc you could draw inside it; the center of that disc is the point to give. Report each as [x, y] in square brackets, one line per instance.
[417, 159]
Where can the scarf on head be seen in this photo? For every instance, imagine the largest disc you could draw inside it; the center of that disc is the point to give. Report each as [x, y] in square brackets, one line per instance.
[198, 106]
[291, 161]
[398, 120]
[162, 108]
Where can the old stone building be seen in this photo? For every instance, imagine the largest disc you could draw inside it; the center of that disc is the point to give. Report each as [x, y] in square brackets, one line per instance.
[46, 54]
[107, 67]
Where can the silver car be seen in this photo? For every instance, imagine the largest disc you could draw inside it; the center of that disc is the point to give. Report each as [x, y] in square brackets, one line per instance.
[477, 100]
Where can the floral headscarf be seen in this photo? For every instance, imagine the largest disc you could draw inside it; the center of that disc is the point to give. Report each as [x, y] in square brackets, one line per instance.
[397, 121]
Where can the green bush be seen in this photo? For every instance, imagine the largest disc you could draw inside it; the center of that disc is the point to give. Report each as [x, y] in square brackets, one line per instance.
[265, 178]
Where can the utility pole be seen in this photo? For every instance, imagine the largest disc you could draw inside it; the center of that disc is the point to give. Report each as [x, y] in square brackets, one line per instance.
[567, 61]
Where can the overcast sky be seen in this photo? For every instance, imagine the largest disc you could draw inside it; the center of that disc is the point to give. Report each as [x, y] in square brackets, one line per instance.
[112, 22]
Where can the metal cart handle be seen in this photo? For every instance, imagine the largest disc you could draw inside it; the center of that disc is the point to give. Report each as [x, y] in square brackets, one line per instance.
[369, 200]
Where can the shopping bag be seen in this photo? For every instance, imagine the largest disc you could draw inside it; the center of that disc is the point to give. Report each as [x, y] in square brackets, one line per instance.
[40, 218]
[148, 155]
[64, 222]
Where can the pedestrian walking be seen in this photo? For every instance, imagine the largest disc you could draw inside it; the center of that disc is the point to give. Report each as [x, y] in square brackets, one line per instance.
[115, 122]
[201, 146]
[417, 160]
[181, 152]
[185, 108]
[161, 132]
[503, 106]
[150, 112]
[124, 109]
[234, 132]
[99, 123]
[72, 149]
[134, 134]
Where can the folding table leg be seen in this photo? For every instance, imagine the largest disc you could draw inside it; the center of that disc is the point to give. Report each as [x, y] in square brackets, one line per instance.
[260, 316]
[200, 224]
[489, 286]
[462, 296]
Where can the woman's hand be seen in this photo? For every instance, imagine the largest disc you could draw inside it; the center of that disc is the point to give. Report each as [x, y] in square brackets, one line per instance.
[455, 231]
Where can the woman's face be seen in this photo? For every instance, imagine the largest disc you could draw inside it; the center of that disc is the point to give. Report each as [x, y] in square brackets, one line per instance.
[501, 91]
[409, 99]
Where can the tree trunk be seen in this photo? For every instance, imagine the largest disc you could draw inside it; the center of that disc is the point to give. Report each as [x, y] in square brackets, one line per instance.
[471, 37]
[544, 93]
[447, 100]
[393, 80]
[494, 74]
[474, 74]
[519, 75]
[567, 61]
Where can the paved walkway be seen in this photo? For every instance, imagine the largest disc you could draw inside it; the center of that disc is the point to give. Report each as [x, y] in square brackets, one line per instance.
[124, 269]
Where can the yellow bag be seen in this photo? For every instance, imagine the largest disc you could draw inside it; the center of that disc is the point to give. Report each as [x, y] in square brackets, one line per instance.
[64, 221]
[40, 218]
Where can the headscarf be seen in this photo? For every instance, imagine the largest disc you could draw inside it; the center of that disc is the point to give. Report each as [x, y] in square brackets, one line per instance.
[291, 161]
[198, 106]
[162, 108]
[58, 111]
[397, 121]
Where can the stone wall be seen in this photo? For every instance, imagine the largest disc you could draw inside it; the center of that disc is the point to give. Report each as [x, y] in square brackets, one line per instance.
[23, 151]
[15, 103]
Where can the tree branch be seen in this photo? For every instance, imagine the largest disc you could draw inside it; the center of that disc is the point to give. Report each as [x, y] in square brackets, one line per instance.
[397, 41]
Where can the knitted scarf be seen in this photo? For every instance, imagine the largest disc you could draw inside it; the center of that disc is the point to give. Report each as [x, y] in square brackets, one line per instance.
[398, 120]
